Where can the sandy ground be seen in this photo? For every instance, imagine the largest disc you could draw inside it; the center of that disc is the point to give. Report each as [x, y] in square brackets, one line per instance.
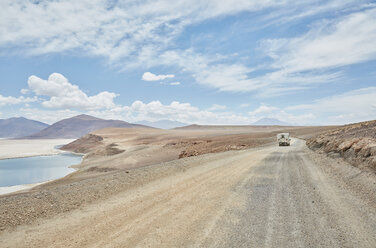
[262, 197]
[16, 148]
[122, 148]
[16, 188]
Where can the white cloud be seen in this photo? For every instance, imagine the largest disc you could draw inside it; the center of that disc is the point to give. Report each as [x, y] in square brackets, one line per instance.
[63, 94]
[209, 71]
[24, 91]
[244, 105]
[148, 76]
[266, 111]
[139, 111]
[175, 83]
[298, 63]
[215, 107]
[140, 30]
[10, 100]
[329, 44]
[353, 106]
[310, 59]
[263, 109]
[214, 72]
[183, 112]
[307, 9]
[140, 33]
[107, 28]
[295, 119]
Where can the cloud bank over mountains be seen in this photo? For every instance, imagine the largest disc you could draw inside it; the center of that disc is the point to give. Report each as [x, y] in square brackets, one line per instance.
[151, 37]
[65, 99]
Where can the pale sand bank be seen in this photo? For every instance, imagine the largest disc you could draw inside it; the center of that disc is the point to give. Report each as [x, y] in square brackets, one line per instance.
[15, 188]
[29, 148]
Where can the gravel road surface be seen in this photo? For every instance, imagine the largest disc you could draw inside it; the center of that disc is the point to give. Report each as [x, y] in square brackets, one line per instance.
[265, 197]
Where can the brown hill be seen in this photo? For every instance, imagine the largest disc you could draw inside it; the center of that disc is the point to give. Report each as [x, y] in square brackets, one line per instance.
[356, 143]
[78, 126]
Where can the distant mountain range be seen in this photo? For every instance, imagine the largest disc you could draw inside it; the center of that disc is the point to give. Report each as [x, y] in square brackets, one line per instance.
[78, 126]
[163, 124]
[270, 122]
[19, 127]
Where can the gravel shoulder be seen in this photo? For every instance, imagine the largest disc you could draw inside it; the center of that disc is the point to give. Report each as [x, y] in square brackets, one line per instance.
[263, 197]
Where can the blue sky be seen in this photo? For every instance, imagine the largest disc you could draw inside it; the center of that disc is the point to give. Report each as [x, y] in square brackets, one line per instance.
[205, 62]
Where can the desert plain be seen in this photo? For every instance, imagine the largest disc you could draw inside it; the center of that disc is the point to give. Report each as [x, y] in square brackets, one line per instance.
[197, 186]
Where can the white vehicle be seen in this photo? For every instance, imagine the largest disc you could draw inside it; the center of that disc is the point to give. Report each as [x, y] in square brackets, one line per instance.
[283, 139]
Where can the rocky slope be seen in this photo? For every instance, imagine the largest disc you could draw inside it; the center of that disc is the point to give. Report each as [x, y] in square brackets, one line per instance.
[356, 143]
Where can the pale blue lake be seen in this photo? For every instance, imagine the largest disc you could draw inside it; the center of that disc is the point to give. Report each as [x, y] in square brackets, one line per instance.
[30, 170]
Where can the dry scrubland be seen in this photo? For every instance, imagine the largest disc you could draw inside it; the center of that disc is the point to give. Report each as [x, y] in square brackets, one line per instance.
[356, 143]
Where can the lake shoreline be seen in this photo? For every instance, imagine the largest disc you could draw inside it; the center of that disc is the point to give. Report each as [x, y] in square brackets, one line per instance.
[59, 152]
[4, 190]
[20, 188]
[11, 149]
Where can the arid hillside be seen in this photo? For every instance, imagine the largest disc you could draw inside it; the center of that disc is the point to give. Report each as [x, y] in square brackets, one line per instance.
[124, 148]
[356, 143]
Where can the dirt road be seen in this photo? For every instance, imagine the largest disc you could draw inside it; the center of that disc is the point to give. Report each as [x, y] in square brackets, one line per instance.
[265, 197]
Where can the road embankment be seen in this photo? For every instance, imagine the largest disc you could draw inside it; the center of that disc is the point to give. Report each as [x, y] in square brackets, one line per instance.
[355, 143]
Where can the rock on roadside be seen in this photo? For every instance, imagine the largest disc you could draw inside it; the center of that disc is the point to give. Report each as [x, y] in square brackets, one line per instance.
[356, 143]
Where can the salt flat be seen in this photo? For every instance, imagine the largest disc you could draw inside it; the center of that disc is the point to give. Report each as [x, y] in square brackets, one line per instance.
[10, 148]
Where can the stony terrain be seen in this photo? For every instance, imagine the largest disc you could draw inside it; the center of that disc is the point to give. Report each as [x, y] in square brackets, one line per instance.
[197, 187]
[356, 143]
[124, 148]
[268, 196]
